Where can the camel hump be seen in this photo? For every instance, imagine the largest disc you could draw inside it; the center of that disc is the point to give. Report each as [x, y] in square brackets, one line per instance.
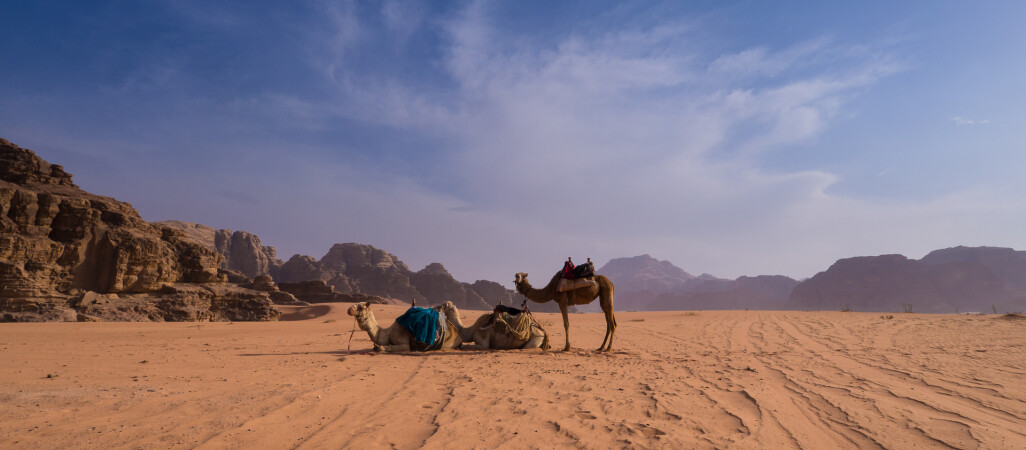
[566, 284]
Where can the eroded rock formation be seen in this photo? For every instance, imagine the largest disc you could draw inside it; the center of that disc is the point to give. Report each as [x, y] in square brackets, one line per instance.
[58, 243]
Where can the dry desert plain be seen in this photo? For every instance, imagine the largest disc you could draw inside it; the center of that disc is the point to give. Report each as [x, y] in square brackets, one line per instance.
[704, 379]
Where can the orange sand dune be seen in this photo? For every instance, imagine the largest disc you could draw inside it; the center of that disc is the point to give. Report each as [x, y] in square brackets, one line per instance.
[706, 379]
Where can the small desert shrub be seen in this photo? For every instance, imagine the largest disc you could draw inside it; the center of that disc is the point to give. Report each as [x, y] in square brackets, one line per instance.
[887, 317]
[845, 308]
[906, 307]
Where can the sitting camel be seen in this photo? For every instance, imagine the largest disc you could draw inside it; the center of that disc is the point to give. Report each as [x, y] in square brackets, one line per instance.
[602, 289]
[498, 330]
[396, 338]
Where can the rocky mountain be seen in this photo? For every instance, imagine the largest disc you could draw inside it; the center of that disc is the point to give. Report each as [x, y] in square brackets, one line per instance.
[640, 279]
[359, 268]
[240, 251]
[346, 272]
[644, 283]
[645, 273]
[959, 279]
[760, 292]
[66, 254]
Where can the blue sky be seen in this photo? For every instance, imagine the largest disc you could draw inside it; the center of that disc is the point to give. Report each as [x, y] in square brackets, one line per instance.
[734, 138]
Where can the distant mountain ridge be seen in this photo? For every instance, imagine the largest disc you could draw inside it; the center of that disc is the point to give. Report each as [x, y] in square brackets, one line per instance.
[645, 273]
[957, 279]
[67, 254]
[644, 283]
[351, 268]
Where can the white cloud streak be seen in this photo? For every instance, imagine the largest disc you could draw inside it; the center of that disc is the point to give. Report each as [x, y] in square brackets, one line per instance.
[960, 121]
[625, 143]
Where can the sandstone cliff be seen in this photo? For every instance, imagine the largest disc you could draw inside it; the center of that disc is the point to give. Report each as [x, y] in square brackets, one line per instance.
[434, 282]
[240, 251]
[347, 272]
[58, 243]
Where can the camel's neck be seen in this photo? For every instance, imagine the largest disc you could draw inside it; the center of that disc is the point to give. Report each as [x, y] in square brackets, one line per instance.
[468, 333]
[454, 320]
[369, 324]
[542, 295]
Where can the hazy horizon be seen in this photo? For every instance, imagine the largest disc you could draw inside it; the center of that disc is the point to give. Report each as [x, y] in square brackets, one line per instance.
[730, 138]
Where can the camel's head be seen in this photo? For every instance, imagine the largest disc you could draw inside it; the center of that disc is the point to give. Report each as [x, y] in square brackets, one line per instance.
[452, 313]
[448, 307]
[521, 278]
[359, 310]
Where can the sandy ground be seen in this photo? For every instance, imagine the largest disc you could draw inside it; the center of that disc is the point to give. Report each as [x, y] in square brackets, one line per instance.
[674, 380]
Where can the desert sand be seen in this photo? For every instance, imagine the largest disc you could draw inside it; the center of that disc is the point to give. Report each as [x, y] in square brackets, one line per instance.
[704, 379]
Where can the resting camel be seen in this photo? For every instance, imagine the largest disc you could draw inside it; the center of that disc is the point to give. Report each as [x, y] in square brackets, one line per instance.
[396, 338]
[603, 290]
[496, 330]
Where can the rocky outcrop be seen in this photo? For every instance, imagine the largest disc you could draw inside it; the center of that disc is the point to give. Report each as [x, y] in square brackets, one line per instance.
[493, 293]
[645, 273]
[240, 251]
[640, 279]
[317, 291]
[243, 252]
[961, 279]
[22, 167]
[437, 285]
[58, 241]
[368, 270]
[305, 268]
[351, 271]
[352, 268]
[178, 303]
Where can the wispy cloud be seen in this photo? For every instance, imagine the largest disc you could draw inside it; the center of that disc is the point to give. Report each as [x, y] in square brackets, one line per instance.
[622, 142]
[609, 138]
[761, 61]
[962, 121]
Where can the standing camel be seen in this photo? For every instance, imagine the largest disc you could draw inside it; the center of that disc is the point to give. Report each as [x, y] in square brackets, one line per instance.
[603, 290]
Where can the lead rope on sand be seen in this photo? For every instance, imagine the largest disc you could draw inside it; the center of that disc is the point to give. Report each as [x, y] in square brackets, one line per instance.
[351, 337]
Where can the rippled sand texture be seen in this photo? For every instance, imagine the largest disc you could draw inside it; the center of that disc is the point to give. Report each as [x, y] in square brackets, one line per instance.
[675, 380]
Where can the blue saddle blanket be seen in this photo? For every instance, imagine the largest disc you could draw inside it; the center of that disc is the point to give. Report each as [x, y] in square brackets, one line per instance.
[423, 323]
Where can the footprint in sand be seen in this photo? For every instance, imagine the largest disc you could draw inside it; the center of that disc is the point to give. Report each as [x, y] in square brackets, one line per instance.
[585, 415]
[647, 430]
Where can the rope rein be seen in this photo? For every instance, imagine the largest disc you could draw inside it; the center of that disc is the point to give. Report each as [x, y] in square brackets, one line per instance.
[523, 306]
[350, 346]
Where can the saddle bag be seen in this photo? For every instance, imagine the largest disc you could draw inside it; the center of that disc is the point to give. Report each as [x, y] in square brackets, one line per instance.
[585, 270]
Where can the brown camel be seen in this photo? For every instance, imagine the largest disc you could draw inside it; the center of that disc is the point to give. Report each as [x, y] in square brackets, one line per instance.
[496, 330]
[603, 290]
[396, 338]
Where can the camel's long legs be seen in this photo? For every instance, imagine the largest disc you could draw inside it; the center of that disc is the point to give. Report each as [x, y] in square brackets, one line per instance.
[607, 308]
[566, 322]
